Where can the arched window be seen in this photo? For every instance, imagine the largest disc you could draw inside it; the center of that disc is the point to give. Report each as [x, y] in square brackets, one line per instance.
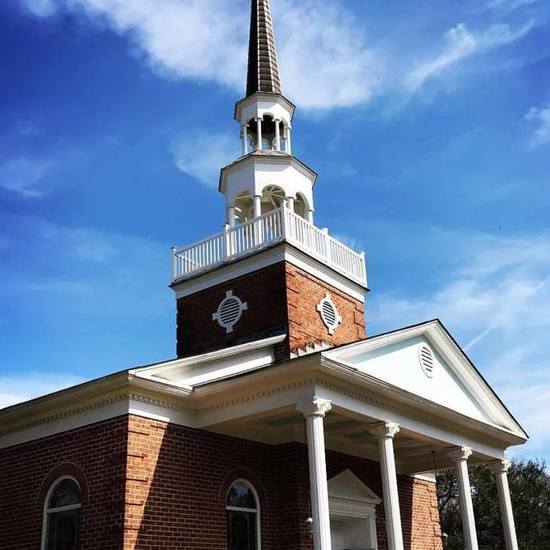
[273, 197]
[301, 205]
[243, 517]
[62, 516]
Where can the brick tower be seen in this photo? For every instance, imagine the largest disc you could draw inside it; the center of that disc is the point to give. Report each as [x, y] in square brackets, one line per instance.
[271, 272]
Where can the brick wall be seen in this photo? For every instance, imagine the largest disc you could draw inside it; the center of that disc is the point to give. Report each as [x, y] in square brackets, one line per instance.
[95, 455]
[148, 485]
[303, 293]
[281, 299]
[178, 478]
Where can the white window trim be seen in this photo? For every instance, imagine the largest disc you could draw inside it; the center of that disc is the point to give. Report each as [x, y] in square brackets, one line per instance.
[248, 510]
[46, 511]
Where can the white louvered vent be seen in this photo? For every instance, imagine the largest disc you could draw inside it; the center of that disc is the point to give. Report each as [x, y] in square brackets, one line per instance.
[427, 360]
[329, 314]
[229, 311]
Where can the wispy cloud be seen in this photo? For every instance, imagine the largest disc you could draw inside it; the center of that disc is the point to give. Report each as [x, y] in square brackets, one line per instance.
[494, 295]
[460, 43]
[24, 175]
[201, 155]
[507, 6]
[325, 63]
[540, 118]
[16, 389]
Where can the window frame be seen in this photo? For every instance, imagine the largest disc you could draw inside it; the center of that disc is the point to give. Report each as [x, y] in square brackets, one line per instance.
[47, 511]
[248, 510]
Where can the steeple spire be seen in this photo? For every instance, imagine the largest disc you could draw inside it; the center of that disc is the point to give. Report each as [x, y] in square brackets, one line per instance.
[263, 69]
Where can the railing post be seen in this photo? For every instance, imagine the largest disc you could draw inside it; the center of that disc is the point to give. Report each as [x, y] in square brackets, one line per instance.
[326, 245]
[282, 213]
[227, 241]
[174, 263]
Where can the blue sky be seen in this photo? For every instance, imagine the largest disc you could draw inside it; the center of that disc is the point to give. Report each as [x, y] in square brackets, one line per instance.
[428, 122]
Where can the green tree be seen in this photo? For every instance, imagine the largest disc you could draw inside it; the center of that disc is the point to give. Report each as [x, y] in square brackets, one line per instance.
[530, 489]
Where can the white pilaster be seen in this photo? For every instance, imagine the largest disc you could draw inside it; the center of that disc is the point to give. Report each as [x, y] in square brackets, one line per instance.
[277, 134]
[384, 433]
[259, 145]
[290, 203]
[314, 412]
[460, 457]
[500, 469]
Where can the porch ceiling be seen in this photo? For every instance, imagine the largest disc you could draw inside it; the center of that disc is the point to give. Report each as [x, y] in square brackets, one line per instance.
[414, 453]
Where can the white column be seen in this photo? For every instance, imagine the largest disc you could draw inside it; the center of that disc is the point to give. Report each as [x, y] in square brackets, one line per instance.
[314, 412]
[385, 432]
[259, 132]
[257, 205]
[244, 135]
[231, 216]
[309, 215]
[288, 141]
[460, 457]
[500, 469]
[290, 203]
[277, 135]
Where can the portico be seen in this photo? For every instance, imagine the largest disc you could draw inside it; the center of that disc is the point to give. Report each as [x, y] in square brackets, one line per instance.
[343, 400]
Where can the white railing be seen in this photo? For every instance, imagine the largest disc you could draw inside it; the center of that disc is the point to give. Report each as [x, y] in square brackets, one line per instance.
[275, 226]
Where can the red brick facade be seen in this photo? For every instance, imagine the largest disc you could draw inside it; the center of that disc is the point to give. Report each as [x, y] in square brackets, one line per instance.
[281, 299]
[148, 485]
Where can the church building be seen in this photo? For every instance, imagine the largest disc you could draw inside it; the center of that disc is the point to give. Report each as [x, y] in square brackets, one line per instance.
[280, 425]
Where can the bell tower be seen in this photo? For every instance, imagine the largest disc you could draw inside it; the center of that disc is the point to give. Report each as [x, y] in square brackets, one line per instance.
[271, 273]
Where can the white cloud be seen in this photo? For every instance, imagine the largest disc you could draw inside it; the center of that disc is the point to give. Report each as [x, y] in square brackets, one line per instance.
[16, 389]
[507, 6]
[202, 155]
[324, 58]
[24, 175]
[540, 117]
[495, 298]
[325, 62]
[460, 43]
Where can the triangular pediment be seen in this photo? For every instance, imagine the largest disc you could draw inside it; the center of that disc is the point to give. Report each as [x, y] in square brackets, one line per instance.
[347, 486]
[426, 362]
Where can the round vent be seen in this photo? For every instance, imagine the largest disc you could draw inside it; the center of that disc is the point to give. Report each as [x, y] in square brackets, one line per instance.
[329, 314]
[427, 360]
[229, 311]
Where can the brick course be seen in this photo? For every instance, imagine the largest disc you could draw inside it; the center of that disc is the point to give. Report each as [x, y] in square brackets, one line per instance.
[149, 485]
[282, 299]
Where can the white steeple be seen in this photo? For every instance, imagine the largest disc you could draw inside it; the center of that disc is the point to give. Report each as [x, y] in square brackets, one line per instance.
[266, 176]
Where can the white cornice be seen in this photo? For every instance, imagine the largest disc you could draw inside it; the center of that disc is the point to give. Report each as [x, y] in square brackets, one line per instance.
[271, 386]
[276, 158]
[259, 259]
[263, 96]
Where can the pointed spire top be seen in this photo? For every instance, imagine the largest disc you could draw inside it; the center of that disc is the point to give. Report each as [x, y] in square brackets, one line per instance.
[263, 69]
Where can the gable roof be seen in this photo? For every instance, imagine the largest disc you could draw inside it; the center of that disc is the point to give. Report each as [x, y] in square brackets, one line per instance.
[451, 358]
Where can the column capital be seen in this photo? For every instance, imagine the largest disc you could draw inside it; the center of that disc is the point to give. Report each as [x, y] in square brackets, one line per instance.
[316, 407]
[460, 453]
[500, 466]
[384, 429]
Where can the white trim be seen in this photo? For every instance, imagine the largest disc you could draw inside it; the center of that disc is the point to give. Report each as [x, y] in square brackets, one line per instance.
[257, 511]
[46, 511]
[275, 254]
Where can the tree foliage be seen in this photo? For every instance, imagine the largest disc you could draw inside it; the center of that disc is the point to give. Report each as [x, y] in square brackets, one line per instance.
[530, 490]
